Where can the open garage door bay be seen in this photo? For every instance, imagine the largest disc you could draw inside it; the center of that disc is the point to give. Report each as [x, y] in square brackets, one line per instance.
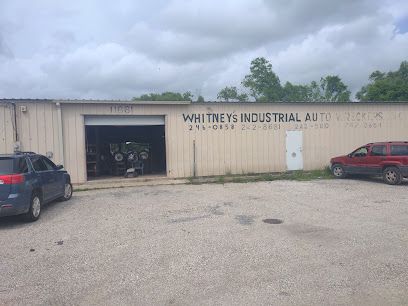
[111, 140]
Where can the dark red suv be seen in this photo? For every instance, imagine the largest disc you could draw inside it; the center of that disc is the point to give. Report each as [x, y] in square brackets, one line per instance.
[389, 159]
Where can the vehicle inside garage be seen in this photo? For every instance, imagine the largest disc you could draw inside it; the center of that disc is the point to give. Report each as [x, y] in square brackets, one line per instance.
[112, 148]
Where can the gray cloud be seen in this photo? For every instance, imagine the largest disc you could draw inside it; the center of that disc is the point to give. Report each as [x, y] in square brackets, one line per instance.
[4, 48]
[123, 49]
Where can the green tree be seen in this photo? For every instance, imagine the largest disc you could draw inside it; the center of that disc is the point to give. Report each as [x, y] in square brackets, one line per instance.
[391, 86]
[263, 84]
[315, 94]
[242, 97]
[333, 89]
[165, 96]
[231, 94]
[227, 94]
[200, 99]
[330, 89]
[188, 96]
[296, 93]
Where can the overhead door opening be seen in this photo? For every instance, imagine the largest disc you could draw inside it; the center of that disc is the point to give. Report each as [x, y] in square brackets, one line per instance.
[115, 144]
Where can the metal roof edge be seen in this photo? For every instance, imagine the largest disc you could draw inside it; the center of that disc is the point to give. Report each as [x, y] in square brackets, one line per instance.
[18, 100]
[303, 103]
[92, 101]
[102, 101]
[122, 102]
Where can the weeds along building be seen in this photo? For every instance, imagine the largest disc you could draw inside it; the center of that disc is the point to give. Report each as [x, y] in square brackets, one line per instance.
[183, 139]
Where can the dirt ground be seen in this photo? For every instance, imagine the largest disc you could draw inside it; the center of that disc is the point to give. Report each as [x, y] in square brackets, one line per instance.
[340, 242]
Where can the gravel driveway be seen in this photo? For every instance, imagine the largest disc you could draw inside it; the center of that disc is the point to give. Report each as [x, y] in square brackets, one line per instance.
[341, 242]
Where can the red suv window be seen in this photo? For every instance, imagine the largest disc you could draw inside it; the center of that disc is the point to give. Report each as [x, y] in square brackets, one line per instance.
[399, 150]
[379, 150]
[361, 152]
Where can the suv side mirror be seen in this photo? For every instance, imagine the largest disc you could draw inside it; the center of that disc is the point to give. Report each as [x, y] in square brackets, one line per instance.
[59, 167]
[350, 155]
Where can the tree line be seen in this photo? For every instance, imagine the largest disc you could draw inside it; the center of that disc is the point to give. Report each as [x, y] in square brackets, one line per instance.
[263, 85]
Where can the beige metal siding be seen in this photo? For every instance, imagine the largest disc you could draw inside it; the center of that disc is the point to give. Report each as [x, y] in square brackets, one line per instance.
[6, 128]
[235, 148]
[38, 129]
[244, 149]
[345, 127]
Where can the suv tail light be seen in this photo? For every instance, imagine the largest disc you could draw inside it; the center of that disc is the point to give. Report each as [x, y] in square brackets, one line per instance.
[11, 179]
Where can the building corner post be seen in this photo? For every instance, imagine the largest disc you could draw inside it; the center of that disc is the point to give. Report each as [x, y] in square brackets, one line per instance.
[60, 133]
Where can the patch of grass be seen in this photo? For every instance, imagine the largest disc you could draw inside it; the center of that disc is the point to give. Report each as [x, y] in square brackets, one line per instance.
[220, 179]
[81, 189]
[240, 179]
[308, 175]
[266, 177]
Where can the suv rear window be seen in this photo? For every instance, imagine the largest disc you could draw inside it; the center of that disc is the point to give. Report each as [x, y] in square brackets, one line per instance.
[9, 165]
[6, 165]
[399, 150]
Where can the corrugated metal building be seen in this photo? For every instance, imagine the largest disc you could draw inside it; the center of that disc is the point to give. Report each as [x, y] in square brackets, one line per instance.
[187, 139]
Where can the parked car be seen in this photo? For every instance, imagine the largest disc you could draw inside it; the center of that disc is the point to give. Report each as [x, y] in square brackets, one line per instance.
[389, 159]
[28, 181]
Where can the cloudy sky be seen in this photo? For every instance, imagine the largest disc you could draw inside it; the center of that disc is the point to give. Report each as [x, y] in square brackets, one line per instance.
[124, 48]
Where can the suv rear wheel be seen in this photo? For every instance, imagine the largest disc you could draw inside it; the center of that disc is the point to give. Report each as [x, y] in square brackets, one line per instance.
[392, 176]
[35, 208]
[338, 171]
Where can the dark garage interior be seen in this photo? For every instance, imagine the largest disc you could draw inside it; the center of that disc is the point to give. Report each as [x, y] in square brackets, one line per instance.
[108, 148]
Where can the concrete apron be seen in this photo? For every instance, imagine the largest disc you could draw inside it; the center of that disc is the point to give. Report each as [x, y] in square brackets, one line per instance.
[115, 182]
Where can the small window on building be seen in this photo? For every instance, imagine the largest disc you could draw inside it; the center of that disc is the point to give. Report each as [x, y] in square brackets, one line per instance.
[378, 151]
[399, 150]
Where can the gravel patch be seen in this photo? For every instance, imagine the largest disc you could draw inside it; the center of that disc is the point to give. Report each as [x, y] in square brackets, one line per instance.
[339, 242]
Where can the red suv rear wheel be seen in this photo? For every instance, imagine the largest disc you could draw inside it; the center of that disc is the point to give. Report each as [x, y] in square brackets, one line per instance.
[392, 176]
